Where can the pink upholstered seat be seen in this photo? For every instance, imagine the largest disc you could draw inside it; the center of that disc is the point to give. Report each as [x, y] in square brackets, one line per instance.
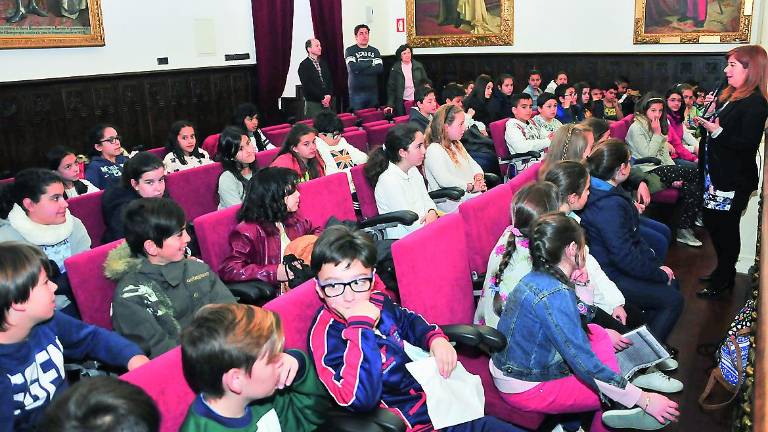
[358, 138]
[212, 232]
[619, 129]
[277, 136]
[365, 111]
[211, 145]
[87, 208]
[378, 134]
[666, 196]
[485, 218]
[264, 158]
[159, 152]
[296, 308]
[370, 116]
[348, 119]
[324, 197]
[308, 122]
[408, 104]
[368, 126]
[350, 128]
[93, 291]
[496, 130]
[195, 189]
[401, 119]
[365, 193]
[6, 181]
[276, 127]
[442, 294]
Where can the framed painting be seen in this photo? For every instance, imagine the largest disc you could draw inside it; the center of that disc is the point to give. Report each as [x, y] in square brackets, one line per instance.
[50, 23]
[692, 21]
[454, 23]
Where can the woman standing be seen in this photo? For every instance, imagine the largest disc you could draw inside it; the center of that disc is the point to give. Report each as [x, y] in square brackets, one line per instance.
[727, 159]
[404, 77]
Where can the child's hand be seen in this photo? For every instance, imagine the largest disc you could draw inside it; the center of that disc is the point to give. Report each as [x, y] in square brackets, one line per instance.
[659, 406]
[619, 342]
[137, 361]
[580, 276]
[620, 314]
[444, 354]
[367, 309]
[288, 368]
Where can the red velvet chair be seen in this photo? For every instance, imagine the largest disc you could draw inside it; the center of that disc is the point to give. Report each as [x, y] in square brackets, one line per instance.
[195, 189]
[87, 208]
[309, 122]
[324, 197]
[92, 290]
[408, 104]
[496, 130]
[401, 119]
[348, 119]
[368, 126]
[6, 181]
[370, 116]
[212, 232]
[350, 128]
[442, 293]
[358, 138]
[277, 136]
[264, 158]
[365, 193]
[275, 127]
[159, 152]
[211, 145]
[365, 111]
[378, 134]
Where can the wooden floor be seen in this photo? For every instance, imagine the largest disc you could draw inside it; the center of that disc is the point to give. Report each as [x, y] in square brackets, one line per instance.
[702, 322]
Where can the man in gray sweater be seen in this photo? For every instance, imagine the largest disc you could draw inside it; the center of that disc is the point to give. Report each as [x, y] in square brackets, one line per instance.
[364, 65]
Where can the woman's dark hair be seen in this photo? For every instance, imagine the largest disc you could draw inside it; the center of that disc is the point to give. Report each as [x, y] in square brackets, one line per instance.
[529, 202]
[102, 404]
[645, 103]
[327, 122]
[478, 93]
[544, 97]
[551, 234]
[606, 159]
[399, 137]
[579, 87]
[599, 127]
[312, 166]
[140, 164]
[29, 183]
[503, 77]
[340, 243]
[94, 137]
[569, 176]
[172, 145]
[264, 199]
[679, 114]
[229, 145]
[55, 155]
[20, 265]
[153, 219]
[238, 120]
[401, 49]
[561, 89]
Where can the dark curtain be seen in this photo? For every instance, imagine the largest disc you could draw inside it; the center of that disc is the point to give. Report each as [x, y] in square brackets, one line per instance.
[273, 31]
[326, 20]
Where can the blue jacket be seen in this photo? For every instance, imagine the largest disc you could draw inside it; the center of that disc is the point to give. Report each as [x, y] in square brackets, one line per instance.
[362, 362]
[103, 173]
[612, 223]
[545, 339]
[32, 371]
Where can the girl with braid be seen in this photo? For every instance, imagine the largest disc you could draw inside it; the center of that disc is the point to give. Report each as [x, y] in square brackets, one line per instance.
[555, 364]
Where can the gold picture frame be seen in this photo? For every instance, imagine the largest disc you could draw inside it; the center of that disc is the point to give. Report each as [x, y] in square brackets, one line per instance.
[459, 23]
[75, 23]
[692, 21]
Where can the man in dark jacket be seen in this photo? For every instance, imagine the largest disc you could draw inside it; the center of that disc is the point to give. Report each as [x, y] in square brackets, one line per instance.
[364, 65]
[316, 80]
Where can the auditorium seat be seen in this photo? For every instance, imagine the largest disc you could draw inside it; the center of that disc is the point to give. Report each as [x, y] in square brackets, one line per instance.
[370, 116]
[276, 127]
[365, 193]
[211, 145]
[324, 197]
[212, 232]
[368, 126]
[408, 104]
[358, 138]
[496, 130]
[92, 290]
[195, 189]
[377, 135]
[264, 158]
[348, 119]
[87, 208]
[277, 136]
[159, 152]
[401, 119]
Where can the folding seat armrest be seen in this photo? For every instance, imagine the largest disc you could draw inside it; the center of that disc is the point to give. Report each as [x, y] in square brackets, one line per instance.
[533, 154]
[400, 217]
[252, 292]
[491, 180]
[339, 419]
[650, 159]
[482, 337]
[492, 338]
[449, 193]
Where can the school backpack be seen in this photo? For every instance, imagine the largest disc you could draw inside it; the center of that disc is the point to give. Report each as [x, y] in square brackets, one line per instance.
[731, 358]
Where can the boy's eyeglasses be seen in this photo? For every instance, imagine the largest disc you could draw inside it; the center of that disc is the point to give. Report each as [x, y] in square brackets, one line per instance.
[333, 135]
[337, 288]
[111, 139]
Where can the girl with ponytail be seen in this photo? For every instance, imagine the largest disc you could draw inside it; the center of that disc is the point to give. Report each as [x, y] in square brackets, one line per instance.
[398, 185]
[551, 365]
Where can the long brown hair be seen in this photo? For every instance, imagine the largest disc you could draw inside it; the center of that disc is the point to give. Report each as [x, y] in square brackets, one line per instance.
[436, 132]
[755, 61]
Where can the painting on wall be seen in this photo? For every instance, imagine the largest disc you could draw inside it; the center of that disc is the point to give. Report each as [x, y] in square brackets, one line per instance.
[50, 23]
[453, 23]
[692, 21]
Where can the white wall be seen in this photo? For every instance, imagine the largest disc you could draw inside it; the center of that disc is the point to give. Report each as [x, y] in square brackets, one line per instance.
[607, 27]
[302, 30]
[137, 32]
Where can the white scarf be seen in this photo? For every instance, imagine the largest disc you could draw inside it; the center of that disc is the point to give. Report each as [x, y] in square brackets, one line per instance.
[39, 234]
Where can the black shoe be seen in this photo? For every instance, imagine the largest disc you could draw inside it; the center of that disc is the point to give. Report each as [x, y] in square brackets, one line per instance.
[684, 18]
[34, 9]
[16, 17]
[713, 291]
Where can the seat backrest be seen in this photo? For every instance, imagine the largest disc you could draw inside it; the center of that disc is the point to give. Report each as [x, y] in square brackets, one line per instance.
[485, 218]
[275, 127]
[296, 308]
[277, 136]
[264, 158]
[528, 175]
[496, 129]
[358, 138]
[408, 105]
[401, 119]
[211, 144]
[308, 122]
[365, 193]
[212, 232]
[348, 120]
[159, 152]
[434, 259]
[370, 125]
[195, 189]
[163, 380]
[378, 134]
[87, 208]
[365, 111]
[6, 181]
[619, 129]
[324, 197]
[371, 116]
[92, 290]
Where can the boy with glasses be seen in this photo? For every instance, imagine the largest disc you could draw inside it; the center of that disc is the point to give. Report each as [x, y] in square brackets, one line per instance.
[360, 338]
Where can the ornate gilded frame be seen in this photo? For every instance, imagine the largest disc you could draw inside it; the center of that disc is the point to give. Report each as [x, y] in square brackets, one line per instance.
[740, 36]
[37, 37]
[504, 37]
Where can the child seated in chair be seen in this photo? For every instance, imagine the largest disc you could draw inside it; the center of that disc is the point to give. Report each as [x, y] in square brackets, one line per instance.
[232, 357]
[34, 339]
[359, 337]
[520, 133]
[159, 289]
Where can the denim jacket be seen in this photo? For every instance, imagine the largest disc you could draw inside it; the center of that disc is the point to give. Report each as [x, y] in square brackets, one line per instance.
[545, 340]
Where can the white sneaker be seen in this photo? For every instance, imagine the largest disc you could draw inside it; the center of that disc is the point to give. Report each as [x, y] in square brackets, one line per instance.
[657, 381]
[559, 428]
[634, 418]
[667, 365]
[686, 236]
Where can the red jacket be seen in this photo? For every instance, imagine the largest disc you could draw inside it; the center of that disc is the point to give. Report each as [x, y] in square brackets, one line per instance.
[286, 160]
[256, 250]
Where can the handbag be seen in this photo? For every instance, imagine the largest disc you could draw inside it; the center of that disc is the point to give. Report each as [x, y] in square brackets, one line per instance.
[731, 358]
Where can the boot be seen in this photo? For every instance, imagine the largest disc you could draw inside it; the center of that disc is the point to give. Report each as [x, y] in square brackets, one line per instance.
[18, 15]
[34, 9]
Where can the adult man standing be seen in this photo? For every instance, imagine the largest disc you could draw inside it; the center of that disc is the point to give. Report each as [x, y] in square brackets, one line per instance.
[316, 80]
[364, 65]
